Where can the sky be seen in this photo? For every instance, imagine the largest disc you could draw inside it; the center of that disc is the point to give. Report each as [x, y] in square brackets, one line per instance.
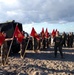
[51, 14]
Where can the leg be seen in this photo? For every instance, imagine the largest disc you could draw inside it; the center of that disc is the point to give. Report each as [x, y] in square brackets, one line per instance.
[2, 54]
[55, 52]
[21, 50]
[60, 50]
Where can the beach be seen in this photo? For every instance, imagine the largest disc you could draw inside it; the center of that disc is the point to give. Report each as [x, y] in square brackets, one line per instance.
[40, 63]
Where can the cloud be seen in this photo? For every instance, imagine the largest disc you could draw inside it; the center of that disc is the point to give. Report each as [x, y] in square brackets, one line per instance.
[28, 11]
[28, 27]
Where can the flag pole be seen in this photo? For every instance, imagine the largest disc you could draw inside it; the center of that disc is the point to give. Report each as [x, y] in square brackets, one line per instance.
[11, 44]
[42, 43]
[9, 50]
[33, 43]
[26, 47]
[20, 49]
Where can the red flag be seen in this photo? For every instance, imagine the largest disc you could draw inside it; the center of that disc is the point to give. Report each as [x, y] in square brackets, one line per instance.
[42, 33]
[34, 33]
[53, 33]
[18, 35]
[46, 33]
[2, 38]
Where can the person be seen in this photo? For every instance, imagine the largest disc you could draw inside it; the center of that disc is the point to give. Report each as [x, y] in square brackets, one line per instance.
[39, 43]
[4, 49]
[23, 45]
[70, 40]
[51, 40]
[58, 45]
[4, 53]
[64, 39]
[44, 43]
[47, 41]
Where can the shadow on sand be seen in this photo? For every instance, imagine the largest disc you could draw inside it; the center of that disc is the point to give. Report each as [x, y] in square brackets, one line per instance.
[48, 54]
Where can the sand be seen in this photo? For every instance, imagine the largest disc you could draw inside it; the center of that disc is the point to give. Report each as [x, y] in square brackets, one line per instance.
[41, 63]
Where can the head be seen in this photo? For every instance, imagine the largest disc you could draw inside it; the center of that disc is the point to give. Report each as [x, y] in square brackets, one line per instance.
[57, 33]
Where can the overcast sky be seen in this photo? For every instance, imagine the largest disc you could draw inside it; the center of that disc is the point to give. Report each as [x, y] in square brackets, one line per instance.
[51, 14]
